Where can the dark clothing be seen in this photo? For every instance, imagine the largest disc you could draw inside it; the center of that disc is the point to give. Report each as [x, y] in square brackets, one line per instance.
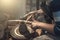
[55, 6]
[57, 29]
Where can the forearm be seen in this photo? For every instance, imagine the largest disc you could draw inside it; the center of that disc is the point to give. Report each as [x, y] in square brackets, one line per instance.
[48, 27]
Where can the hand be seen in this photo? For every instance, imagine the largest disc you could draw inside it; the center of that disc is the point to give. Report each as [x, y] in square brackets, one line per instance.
[34, 23]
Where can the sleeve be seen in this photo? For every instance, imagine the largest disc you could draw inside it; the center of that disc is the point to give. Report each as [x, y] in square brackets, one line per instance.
[57, 29]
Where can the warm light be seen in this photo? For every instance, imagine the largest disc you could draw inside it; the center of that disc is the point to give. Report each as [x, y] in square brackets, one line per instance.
[6, 1]
[13, 7]
[6, 4]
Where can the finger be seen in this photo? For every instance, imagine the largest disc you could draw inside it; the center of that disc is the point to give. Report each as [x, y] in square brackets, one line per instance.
[40, 11]
[30, 13]
[39, 31]
[29, 17]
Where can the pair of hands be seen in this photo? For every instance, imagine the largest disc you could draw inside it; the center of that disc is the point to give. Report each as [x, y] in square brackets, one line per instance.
[35, 22]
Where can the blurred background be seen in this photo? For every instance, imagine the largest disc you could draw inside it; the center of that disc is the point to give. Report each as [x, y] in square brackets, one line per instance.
[13, 9]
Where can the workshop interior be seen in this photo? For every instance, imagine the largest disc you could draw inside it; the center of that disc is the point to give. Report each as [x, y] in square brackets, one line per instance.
[16, 17]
